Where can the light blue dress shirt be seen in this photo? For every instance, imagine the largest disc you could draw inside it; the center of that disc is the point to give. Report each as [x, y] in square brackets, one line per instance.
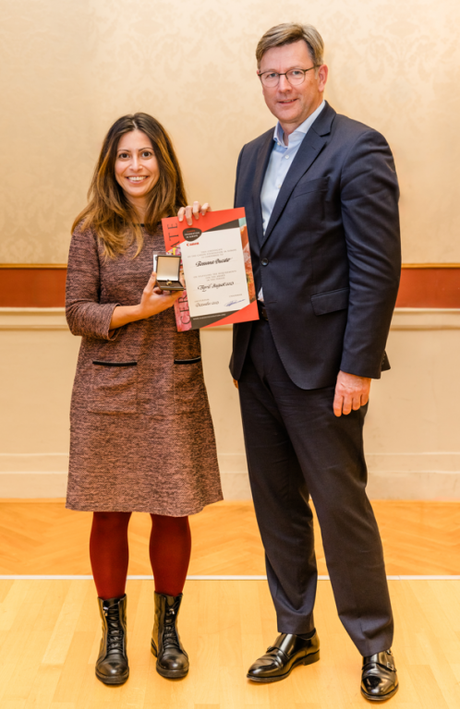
[281, 159]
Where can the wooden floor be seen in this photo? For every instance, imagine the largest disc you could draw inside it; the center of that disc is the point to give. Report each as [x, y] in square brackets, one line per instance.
[49, 629]
[45, 538]
[49, 636]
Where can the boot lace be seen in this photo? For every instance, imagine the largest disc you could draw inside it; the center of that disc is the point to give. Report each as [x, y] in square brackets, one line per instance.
[170, 638]
[115, 633]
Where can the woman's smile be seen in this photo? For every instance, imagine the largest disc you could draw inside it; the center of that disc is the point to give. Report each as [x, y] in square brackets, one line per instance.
[136, 167]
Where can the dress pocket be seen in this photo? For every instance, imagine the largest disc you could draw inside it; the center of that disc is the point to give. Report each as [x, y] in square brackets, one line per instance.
[113, 388]
[189, 389]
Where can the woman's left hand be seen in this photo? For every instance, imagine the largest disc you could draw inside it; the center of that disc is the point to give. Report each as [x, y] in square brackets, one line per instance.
[193, 211]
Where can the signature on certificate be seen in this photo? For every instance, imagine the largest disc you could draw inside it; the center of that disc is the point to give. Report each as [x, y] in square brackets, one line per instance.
[234, 302]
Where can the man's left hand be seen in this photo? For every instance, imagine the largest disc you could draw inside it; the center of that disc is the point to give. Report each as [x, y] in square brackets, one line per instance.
[351, 392]
[194, 209]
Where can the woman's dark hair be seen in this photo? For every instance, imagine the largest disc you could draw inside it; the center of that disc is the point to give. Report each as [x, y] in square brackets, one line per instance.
[109, 212]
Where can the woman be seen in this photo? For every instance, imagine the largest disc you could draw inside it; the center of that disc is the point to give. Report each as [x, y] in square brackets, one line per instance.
[141, 432]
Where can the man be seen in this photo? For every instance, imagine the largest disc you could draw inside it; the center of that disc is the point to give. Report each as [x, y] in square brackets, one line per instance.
[320, 193]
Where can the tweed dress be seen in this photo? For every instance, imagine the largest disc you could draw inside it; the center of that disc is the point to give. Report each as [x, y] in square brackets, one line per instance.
[141, 432]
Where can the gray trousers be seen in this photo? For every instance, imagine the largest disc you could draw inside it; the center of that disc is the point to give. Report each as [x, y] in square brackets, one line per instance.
[297, 448]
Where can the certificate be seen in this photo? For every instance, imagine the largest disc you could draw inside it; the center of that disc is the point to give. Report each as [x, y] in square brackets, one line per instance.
[216, 267]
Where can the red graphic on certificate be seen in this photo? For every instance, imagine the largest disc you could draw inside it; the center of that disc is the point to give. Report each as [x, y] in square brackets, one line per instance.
[215, 267]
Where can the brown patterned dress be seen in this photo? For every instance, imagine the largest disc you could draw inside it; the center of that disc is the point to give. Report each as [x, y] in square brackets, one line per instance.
[141, 432]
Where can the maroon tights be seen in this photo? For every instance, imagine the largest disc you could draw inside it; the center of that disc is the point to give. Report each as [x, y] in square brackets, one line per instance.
[170, 546]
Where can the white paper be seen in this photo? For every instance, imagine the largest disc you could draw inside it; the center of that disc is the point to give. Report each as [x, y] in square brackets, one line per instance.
[214, 271]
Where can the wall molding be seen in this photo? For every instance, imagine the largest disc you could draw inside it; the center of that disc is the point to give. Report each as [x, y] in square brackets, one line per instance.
[422, 285]
[64, 265]
[430, 265]
[33, 319]
[429, 286]
[35, 485]
[39, 266]
[403, 319]
[426, 462]
[426, 319]
[33, 462]
[415, 485]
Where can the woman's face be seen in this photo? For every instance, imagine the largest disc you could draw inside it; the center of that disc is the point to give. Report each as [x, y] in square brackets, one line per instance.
[136, 167]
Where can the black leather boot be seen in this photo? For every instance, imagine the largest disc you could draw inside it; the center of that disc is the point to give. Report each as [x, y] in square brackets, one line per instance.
[112, 663]
[172, 660]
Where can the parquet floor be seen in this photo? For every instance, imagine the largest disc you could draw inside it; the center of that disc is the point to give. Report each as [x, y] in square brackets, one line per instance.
[42, 537]
[49, 629]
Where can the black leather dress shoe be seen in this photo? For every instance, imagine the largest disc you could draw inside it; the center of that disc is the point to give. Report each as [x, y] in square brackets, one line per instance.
[287, 652]
[379, 679]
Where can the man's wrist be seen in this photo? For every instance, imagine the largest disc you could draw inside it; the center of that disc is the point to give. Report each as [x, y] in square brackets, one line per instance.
[358, 376]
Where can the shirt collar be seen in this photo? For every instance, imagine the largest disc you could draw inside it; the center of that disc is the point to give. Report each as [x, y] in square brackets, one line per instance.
[300, 132]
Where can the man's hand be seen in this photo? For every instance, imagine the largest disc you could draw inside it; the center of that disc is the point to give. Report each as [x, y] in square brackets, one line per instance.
[351, 392]
[196, 209]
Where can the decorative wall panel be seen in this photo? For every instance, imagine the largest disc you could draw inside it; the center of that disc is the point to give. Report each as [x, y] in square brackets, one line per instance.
[42, 286]
[70, 68]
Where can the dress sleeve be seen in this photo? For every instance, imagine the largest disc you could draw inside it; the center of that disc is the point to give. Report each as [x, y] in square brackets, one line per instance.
[85, 314]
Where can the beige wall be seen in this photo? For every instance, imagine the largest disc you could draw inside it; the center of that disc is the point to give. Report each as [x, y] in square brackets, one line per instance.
[411, 433]
[69, 68]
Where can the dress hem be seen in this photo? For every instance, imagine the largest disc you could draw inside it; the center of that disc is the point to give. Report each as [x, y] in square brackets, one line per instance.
[152, 511]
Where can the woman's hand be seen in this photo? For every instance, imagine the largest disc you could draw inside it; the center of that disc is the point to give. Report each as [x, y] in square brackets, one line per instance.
[196, 209]
[153, 301]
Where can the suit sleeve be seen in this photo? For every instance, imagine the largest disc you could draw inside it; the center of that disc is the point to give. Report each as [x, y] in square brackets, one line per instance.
[369, 203]
[85, 315]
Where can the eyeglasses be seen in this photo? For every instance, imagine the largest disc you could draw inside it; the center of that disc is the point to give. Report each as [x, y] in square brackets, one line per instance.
[270, 79]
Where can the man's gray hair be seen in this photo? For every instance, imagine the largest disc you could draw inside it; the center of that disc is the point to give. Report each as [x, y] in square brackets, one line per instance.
[288, 33]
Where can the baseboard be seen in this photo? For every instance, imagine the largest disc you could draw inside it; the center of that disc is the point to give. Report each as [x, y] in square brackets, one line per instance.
[37, 485]
[428, 476]
[235, 486]
[29, 318]
[424, 485]
[24, 485]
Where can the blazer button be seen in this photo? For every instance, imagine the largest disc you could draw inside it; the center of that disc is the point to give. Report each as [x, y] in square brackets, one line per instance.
[264, 262]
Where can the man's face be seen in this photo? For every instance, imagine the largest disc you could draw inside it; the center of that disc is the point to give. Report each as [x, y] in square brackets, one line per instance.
[293, 104]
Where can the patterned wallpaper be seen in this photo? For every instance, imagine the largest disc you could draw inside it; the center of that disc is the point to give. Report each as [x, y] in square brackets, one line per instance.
[71, 68]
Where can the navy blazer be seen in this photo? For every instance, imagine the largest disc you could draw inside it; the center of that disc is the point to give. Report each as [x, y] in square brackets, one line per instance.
[329, 261]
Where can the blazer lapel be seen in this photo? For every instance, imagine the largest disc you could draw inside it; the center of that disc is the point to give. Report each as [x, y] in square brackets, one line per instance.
[263, 156]
[311, 146]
